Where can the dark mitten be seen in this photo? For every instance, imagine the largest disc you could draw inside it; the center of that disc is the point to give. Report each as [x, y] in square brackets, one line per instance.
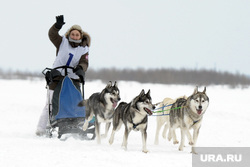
[59, 21]
[79, 71]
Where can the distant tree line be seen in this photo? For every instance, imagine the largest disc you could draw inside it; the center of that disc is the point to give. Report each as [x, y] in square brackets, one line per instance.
[170, 76]
[163, 76]
[19, 75]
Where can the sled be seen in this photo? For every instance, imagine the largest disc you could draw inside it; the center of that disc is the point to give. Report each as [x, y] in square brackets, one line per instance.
[65, 116]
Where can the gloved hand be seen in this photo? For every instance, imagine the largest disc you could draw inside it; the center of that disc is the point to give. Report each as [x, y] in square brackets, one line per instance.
[59, 21]
[79, 71]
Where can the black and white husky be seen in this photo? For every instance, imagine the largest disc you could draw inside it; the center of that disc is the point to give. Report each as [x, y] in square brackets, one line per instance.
[186, 114]
[102, 106]
[134, 116]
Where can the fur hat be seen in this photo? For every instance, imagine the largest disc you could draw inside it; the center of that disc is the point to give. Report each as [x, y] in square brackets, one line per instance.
[85, 36]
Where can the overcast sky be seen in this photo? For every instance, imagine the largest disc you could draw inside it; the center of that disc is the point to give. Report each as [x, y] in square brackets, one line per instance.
[192, 34]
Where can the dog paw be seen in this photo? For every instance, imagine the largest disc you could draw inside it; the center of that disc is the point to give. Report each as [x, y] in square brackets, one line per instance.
[169, 138]
[176, 142]
[85, 127]
[193, 151]
[111, 141]
[40, 133]
[124, 147]
[145, 151]
[191, 143]
[180, 148]
[103, 136]
[98, 141]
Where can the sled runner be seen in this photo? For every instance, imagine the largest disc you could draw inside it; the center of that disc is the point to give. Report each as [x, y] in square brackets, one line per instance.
[65, 116]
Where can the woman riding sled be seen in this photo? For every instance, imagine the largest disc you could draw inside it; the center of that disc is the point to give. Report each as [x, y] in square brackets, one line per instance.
[72, 50]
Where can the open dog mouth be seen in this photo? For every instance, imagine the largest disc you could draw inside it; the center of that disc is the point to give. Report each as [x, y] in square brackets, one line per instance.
[199, 111]
[114, 102]
[148, 111]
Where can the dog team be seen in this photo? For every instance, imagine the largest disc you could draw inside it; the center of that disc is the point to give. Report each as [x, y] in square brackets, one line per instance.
[184, 112]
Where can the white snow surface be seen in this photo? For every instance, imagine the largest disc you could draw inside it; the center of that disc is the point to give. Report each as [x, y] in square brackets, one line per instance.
[225, 124]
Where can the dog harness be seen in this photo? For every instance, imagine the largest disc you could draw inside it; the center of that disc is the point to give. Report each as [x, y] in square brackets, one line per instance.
[135, 125]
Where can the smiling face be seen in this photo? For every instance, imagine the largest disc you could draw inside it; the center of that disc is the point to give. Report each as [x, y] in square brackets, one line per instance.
[75, 35]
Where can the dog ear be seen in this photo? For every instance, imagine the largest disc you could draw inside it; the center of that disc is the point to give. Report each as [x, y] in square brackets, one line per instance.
[137, 98]
[204, 91]
[115, 84]
[109, 84]
[142, 92]
[195, 90]
[148, 93]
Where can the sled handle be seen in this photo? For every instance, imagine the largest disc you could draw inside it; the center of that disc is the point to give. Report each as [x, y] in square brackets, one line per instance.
[49, 69]
[83, 90]
[65, 67]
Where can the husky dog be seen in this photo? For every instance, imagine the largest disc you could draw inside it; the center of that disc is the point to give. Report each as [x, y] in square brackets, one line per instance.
[186, 114]
[102, 105]
[134, 116]
[163, 118]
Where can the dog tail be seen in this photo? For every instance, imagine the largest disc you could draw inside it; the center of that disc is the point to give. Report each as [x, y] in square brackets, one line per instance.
[82, 103]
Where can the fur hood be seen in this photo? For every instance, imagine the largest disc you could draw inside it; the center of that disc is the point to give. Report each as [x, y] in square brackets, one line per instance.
[86, 40]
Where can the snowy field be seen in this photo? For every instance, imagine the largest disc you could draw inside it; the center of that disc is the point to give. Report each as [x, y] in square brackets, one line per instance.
[225, 124]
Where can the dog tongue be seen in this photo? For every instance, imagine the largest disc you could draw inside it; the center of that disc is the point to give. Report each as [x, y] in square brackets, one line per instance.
[114, 104]
[199, 111]
[148, 111]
